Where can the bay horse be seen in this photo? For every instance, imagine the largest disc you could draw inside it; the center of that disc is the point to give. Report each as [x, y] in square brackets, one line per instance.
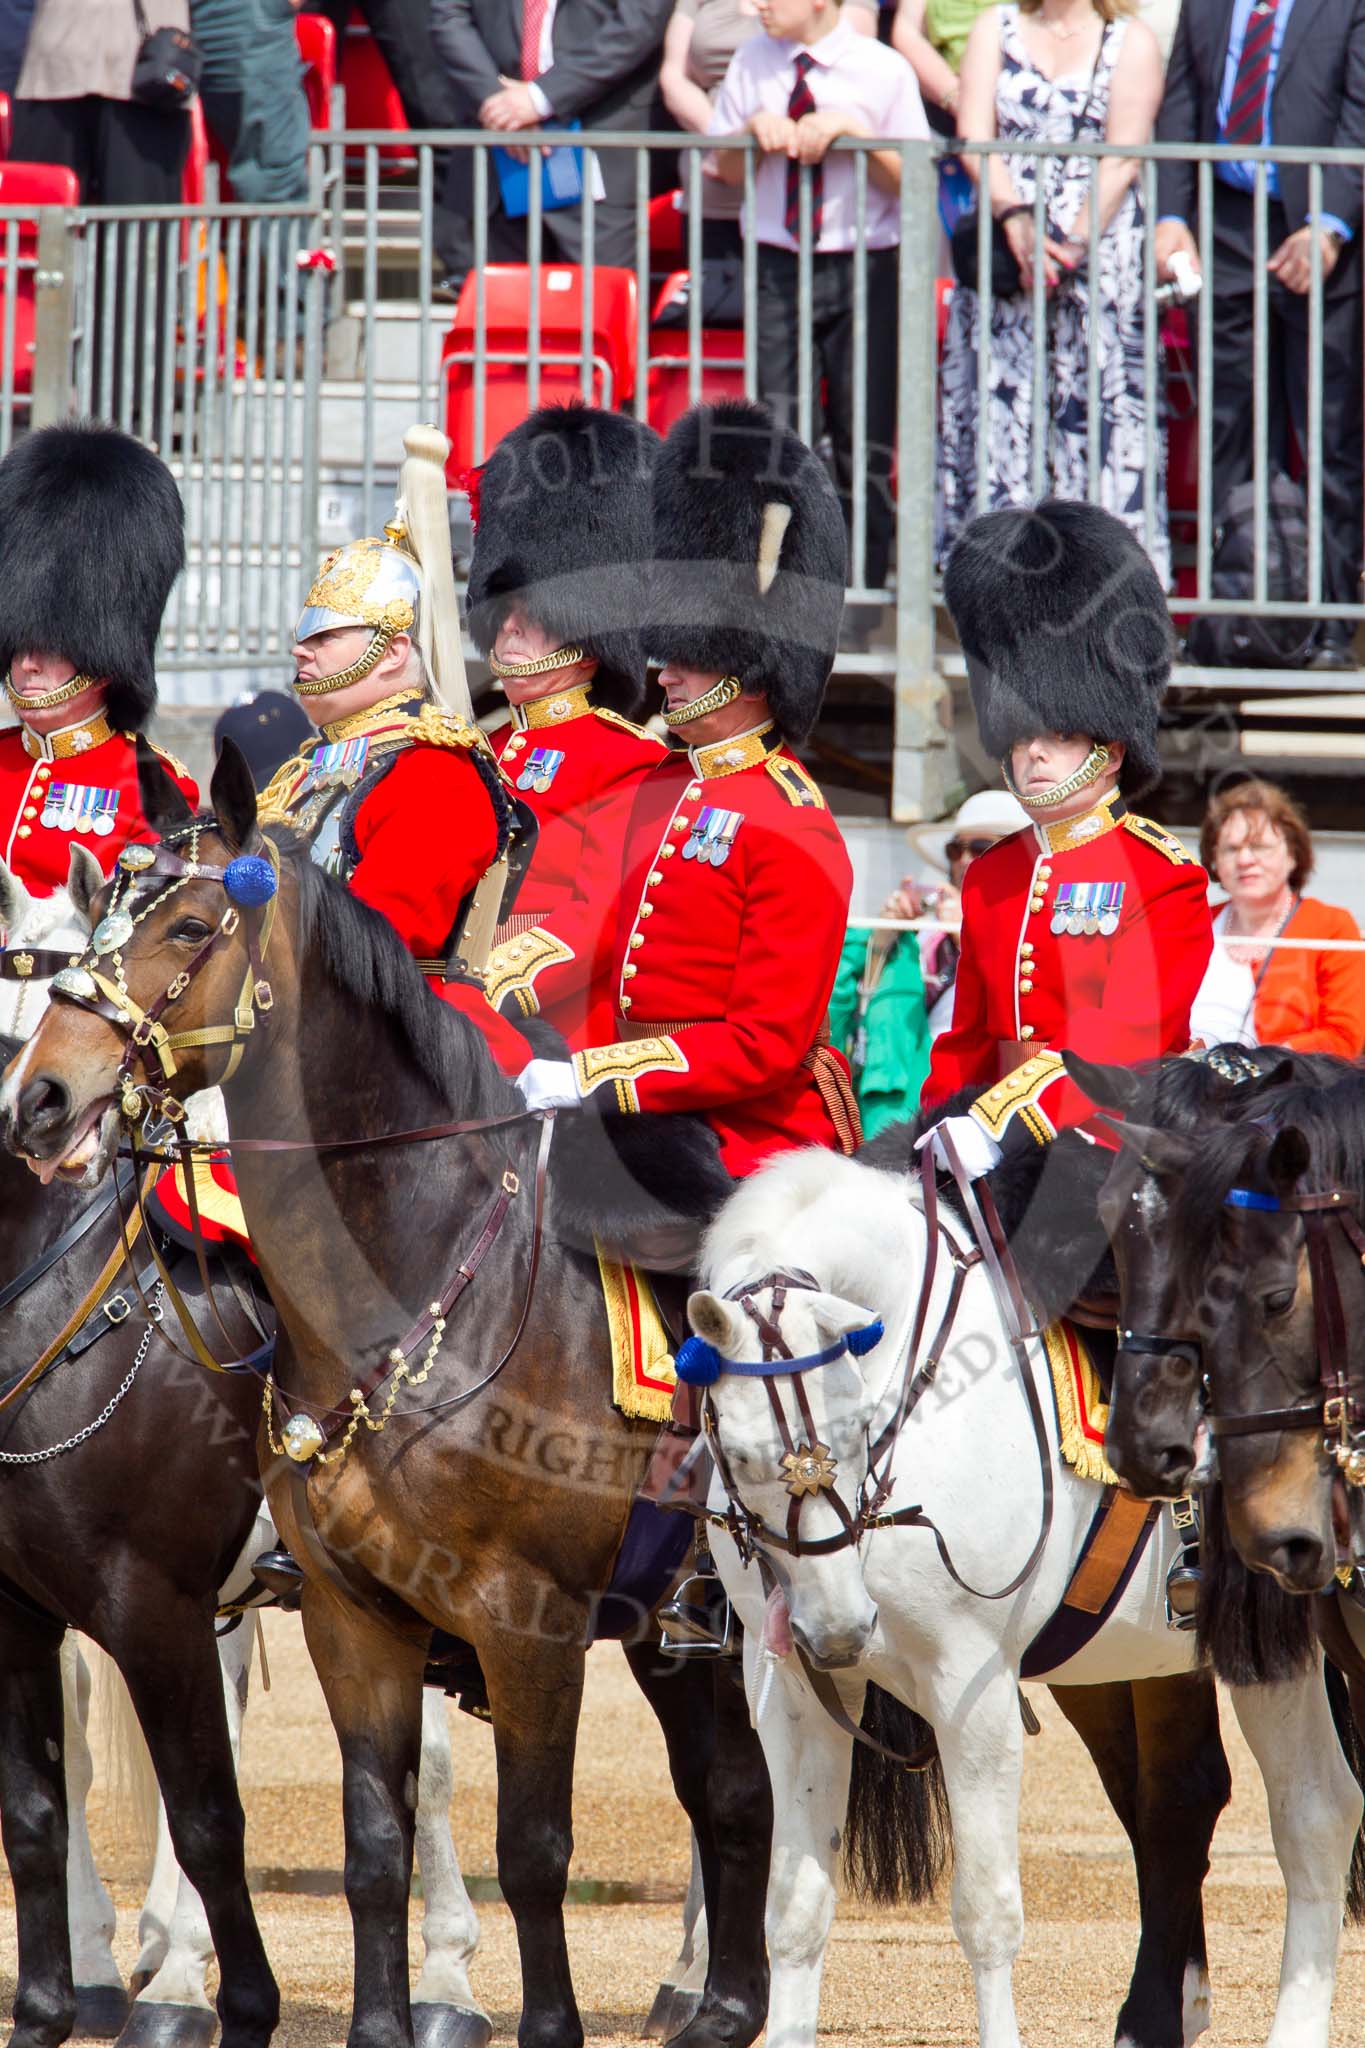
[917, 1577]
[142, 1570]
[486, 1491]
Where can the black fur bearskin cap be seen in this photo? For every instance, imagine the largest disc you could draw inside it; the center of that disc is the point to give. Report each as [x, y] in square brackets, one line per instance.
[1065, 628]
[92, 538]
[564, 534]
[750, 558]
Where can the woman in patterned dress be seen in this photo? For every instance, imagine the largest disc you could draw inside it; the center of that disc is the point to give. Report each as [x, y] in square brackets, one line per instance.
[1057, 70]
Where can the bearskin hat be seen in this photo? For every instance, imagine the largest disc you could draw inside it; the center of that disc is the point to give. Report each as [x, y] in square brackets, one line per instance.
[563, 533]
[92, 537]
[1065, 628]
[750, 557]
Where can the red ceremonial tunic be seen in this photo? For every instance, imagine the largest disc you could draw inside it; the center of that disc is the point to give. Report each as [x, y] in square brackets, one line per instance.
[578, 766]
[424, 835]
[1090, 936]
[730, 905]
[56, 791]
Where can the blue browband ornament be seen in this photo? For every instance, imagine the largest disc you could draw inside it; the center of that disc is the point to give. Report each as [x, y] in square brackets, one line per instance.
[699, 1364]
[1250, 1198]
[250, 879]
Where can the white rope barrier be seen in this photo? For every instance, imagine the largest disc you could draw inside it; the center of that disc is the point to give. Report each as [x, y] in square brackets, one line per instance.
[934, 924]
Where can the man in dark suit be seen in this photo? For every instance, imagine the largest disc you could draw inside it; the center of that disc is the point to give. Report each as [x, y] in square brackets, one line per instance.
[1288, 73]
[526, 64]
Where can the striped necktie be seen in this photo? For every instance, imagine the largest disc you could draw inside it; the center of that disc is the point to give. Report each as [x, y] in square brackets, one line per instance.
[532, 28]
[802, 102]
[1250, 86]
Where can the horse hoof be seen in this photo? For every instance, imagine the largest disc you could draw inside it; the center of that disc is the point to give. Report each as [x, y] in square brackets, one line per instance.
[684, 2009]
[168, 2026]
[450, 2026]
[659, 2025]
[101, 2010]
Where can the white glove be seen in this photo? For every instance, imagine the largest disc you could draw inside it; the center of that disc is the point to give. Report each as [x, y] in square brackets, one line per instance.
[976, 1148]
[549, 1084]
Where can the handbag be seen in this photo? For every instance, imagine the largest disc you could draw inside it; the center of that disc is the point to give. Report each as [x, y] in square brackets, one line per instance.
[167, 68]
[1005, 276]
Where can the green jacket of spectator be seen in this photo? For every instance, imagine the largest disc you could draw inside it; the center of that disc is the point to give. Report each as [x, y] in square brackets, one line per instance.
[254, 102]
[878, 1019]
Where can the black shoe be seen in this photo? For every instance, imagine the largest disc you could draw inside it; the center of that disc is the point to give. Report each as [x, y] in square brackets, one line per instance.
[449, 287]
[281, 1575]
[1333, 648]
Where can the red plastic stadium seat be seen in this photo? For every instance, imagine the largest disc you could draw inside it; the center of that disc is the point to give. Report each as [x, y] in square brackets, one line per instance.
[32, 185]
[722, 362]
[194, 178]
[667, 226]
[372, 97]
[317, 41]
[507, 306]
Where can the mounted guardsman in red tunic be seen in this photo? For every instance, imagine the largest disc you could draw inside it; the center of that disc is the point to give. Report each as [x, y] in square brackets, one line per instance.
[401, 796]
[561, 544]
[1089, 931]
[730, 891]
[92, 538]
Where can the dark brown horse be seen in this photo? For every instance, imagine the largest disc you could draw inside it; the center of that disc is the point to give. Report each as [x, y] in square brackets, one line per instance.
[494, 1511]
[127, 1489]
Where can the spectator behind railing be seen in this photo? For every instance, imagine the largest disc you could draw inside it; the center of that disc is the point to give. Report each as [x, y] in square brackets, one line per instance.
[1255, 841]
[524, 64]
[808, 80]
[701, 38]
[74, 102]
[1059, 71]
[254, 101]
[1291, 73]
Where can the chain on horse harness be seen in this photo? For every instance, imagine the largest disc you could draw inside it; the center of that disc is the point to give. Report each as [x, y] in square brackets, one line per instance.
[1337, 1409]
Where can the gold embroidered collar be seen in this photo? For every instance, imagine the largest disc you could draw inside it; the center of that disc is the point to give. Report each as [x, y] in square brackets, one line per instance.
[70, 741]
[1107, 815]
[742, 750]
[555, 710]
[359, 722]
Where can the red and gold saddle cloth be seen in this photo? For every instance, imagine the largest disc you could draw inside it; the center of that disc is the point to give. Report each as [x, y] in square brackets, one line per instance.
[1082, 1411]
[642, 1376]
[215, 1192]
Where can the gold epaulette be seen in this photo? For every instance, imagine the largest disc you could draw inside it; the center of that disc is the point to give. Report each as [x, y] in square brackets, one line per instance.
[173, 761]
[434, 726]
[619, 1067]
[1154, 835]
[796, 785]
[623, 724]
[1017, 1095]
[512, 967]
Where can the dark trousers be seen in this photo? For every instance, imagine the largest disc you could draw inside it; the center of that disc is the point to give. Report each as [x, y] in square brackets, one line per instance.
[832, 358]
[123, 154]
[562, 233]
[402, 29]
[1343, 449]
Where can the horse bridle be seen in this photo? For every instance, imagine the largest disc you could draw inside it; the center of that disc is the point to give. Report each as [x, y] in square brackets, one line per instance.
[1337, 1408]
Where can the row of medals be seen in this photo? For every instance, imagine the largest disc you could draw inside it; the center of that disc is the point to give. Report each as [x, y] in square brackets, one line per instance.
[1077, 923]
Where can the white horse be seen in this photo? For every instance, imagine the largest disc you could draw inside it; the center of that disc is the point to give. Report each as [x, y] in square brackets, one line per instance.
[888, 1612]
[173, 1934]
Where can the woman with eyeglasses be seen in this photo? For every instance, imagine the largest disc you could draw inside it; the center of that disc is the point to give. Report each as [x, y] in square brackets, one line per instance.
[894, 990]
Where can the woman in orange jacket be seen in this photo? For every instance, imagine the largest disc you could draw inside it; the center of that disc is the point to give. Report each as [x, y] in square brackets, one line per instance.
[1255, 841]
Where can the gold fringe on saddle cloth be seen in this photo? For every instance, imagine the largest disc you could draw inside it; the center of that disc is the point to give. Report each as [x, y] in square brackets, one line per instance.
[642, 1376]
[1082, 1411]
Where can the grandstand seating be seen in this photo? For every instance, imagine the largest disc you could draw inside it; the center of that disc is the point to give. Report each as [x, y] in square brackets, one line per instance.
[29, 185]
[507, 307]
[722, 361]
[371, 96]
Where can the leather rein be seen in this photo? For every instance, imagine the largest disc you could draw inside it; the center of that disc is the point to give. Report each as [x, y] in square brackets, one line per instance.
[141, 1092]
[811, 1472]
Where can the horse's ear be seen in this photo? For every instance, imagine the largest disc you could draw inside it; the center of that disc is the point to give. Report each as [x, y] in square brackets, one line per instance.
[232, 794]
[84, 879]
[1111, 1087]
[1161, 1152]
[14, 899]
[838, 1317]
[1288, 1159]
[717, 1322]
[164, 805]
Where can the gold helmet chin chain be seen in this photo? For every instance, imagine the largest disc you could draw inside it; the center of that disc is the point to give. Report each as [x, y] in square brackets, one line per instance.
[1090, 770]
[323, 686]
[47, 700]
[715, 699]
[512, 671]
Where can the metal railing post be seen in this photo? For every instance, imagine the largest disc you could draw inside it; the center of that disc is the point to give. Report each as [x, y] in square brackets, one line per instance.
[54, 294]
[922, 765]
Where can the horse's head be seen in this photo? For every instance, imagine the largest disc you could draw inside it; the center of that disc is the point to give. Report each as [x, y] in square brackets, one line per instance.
[788, 1408]
[165, 997]
[39, 935]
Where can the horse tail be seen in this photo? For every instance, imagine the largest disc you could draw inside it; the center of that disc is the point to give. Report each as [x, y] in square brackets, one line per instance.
[133, 1793]
[897, 1834]
[1249, 1628]
[1353, 1748]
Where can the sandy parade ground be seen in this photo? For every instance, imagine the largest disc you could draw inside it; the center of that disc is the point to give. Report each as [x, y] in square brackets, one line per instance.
[891, 1976]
